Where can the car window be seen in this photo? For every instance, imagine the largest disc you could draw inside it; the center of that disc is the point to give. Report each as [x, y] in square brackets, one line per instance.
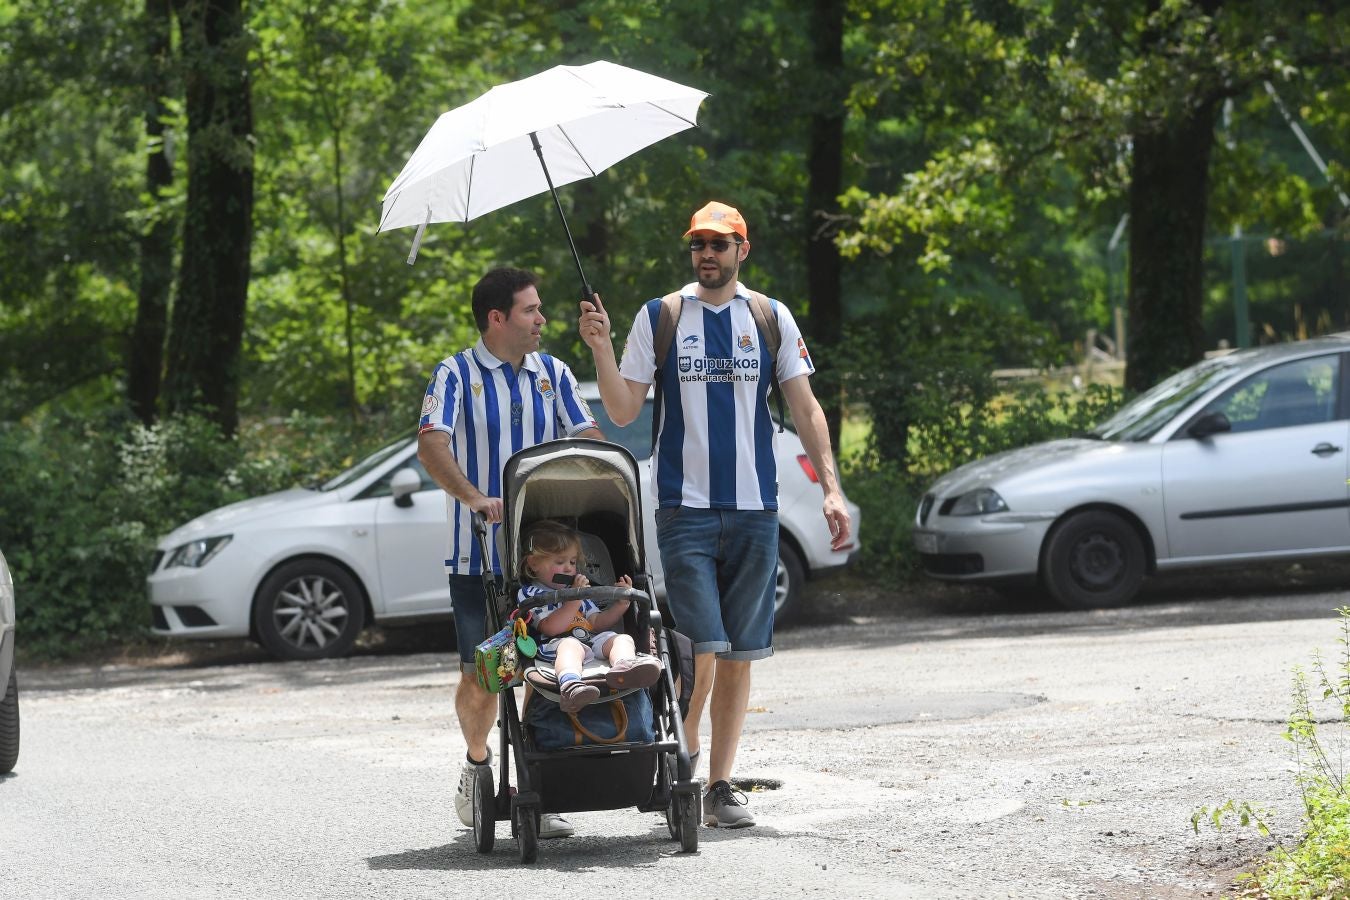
[636, 436]
[380, 488]
[1141, 418]
[1302, 392]
[364, 466]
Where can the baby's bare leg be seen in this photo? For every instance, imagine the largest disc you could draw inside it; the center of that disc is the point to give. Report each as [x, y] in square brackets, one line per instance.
[620, 647]
[569, 657]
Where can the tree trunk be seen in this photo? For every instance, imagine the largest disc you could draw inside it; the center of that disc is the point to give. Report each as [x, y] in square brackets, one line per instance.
[825, 167]
[1168, 198]
[145, 359]
[207, 325]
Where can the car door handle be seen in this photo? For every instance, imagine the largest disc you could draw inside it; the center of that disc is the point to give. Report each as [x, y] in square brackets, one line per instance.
[1325, 449]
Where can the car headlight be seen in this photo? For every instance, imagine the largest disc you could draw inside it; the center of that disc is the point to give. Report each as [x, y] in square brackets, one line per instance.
[195, 554]
[977, 503]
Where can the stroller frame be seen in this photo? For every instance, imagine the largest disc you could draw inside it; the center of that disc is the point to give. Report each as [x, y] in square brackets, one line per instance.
[595, 485]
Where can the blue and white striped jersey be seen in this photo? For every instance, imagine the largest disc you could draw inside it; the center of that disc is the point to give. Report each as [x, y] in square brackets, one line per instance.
[491, 412]
[715, 444]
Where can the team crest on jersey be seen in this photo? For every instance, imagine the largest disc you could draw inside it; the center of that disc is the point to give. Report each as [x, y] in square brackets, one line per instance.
[430, 404]
[686, 363]
[801, 351]
[546, 388]
[746, 345]
[476, 387]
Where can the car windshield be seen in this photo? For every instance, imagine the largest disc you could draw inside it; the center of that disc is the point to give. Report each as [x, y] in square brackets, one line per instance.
[364, 466]
[1141, 418]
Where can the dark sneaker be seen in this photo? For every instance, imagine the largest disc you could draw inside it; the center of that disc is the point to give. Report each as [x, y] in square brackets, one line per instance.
[575, 694]
[724, 807]
[468, 777]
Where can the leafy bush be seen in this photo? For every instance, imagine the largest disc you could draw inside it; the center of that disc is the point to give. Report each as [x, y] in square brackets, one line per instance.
[888, 493]
[85, 500]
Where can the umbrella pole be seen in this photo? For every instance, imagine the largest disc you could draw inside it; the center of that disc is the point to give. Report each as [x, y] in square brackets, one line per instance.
[586, 291]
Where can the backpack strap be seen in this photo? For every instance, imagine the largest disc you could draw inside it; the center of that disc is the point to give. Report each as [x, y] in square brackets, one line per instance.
[662, 341]
[767, 323]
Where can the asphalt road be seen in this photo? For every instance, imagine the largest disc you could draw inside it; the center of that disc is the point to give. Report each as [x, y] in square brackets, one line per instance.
[973, 749]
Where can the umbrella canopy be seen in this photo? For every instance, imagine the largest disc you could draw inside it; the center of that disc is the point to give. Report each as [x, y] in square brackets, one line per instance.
[529, 136]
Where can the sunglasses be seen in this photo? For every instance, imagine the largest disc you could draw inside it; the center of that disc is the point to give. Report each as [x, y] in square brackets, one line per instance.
[719, 245]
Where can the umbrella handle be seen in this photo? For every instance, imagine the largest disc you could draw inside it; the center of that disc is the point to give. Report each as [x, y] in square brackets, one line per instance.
[586, 292]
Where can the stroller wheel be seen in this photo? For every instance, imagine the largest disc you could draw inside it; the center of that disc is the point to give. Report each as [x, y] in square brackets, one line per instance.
[672, 808]
[526, 827]
[484, 820]
[689, 809]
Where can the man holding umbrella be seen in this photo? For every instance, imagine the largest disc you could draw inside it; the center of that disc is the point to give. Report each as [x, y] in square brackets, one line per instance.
[714, 474]
[482, 405]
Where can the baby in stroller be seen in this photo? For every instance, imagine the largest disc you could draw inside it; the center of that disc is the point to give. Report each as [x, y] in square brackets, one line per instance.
[577, 631]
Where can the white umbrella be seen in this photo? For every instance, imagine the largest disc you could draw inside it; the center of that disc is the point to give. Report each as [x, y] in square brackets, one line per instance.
[577, 121]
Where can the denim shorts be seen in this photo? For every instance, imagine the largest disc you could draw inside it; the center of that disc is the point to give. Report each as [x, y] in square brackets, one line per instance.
[720, 567]
[470, 601]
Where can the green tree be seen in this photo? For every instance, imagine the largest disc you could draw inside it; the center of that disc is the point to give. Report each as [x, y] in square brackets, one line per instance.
[1123, 97]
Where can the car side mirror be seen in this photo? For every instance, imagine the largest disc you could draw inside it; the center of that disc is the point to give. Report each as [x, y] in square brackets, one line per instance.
[1210, 423]
[403, 485]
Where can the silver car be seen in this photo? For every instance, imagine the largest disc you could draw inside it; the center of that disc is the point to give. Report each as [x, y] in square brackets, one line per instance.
[9, 682]
[1240, 458]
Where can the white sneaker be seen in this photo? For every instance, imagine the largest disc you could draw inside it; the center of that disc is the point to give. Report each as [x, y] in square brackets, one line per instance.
[468, 777]
[552, 825]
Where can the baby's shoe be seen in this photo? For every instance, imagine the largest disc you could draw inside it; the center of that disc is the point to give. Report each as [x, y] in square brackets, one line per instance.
[639, 672]
[575, 694]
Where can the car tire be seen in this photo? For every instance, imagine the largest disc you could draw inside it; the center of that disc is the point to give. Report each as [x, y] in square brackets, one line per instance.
[1093, 560]
[789, 584]
[9, 725]
[309, 609]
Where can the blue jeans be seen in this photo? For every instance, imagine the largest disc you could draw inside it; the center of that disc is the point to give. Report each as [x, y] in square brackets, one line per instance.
[720, 567]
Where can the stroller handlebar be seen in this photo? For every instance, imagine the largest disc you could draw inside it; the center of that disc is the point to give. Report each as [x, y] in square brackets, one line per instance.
[601, 596]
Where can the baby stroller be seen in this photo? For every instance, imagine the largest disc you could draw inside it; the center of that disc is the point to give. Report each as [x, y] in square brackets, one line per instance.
[593, 487]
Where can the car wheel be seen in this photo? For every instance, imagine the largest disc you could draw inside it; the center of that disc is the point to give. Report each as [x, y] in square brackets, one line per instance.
[789, 581]
[309, 609]
[9, 725]
[1093, 560]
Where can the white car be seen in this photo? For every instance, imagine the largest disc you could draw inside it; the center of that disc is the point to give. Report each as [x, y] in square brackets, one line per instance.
[303, 571]
[9, 682]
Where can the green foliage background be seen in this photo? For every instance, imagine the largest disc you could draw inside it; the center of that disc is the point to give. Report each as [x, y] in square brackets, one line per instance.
[985, 170]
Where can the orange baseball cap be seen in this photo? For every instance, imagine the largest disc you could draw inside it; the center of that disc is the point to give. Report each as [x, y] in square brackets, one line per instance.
[718, 217]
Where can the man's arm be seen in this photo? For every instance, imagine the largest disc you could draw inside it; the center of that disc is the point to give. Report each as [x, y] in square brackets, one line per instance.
[433, 450]
[814, 432]
[623, 398]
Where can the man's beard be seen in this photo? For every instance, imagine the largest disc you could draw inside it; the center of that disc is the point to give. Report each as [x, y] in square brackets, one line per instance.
[725, 275]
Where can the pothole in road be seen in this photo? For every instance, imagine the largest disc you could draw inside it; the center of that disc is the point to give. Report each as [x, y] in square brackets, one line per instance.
[750, 785]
